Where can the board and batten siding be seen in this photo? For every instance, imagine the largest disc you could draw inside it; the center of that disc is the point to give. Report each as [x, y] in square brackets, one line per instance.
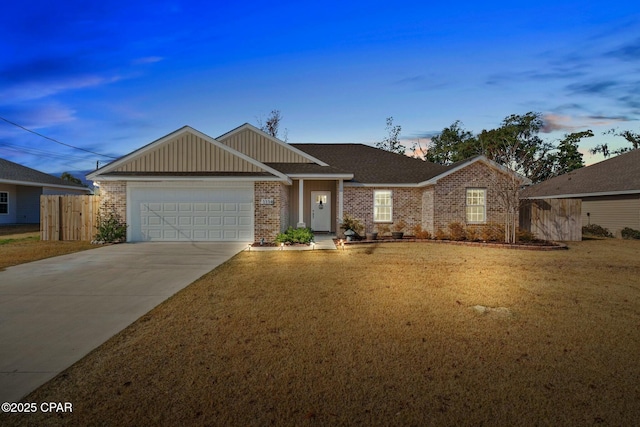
[612, 212]
[262, 148]
[188, 153]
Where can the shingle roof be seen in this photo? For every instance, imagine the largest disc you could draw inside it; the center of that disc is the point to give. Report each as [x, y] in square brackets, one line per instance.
[373, 165]
[11, 171]
[615, 175]
[307, 168]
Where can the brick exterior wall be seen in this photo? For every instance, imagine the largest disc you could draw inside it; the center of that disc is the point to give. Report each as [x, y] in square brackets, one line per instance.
[285, 207]
[449, 198]
[407, 205]
[428, 210]
[268, 218]
[114, 198]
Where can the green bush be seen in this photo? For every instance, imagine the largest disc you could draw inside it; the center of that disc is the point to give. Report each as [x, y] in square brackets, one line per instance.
[111, 229]
[630, 233]
[295, 235]
[596, 230]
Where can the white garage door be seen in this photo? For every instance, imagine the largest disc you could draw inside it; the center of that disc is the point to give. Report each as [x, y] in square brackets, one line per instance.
[221, 212]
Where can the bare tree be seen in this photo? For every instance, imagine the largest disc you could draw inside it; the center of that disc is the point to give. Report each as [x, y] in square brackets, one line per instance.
[391, 142]
[507, 186]
[272, 125]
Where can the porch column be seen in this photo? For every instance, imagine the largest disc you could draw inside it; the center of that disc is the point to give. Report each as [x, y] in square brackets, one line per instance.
[301, 223]
[340, 201]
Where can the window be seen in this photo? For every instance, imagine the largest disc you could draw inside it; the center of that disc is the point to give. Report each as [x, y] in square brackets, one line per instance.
[4, 202]
[382, 206]
[476, 205]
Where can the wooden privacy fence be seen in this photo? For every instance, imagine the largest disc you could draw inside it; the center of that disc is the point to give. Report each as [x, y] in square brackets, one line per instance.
[553, 219]
[70, 217]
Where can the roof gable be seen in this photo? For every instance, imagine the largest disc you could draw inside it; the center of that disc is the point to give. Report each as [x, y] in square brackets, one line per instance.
[258, 145]
[617, 175]
[186, 151]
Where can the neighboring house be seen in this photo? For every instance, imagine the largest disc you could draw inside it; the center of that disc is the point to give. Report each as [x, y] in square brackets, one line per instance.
[246, 186]
[609, 191]
[21, 188]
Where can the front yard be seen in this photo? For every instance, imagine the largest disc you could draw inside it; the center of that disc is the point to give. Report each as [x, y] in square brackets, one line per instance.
[21, 243]
[397, 334]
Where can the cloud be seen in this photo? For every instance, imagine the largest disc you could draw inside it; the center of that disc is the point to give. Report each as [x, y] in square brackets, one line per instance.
[147, 60]
[594, 87]
[627, 52]
[556, 122]
[422, 82]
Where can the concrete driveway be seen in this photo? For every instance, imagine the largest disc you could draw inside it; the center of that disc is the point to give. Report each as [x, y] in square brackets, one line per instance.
[55, 311]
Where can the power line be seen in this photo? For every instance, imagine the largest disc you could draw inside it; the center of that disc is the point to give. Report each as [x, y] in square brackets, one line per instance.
[37, 152]
[54, 140]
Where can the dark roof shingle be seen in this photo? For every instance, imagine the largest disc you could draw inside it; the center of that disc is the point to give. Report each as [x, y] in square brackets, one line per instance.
[617, 174]
[373, 165]
[14, 172]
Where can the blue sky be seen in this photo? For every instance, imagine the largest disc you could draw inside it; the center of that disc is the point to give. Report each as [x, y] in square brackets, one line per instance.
[112, 76]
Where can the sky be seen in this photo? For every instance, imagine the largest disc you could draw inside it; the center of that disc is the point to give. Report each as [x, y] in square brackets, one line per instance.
[109, 77]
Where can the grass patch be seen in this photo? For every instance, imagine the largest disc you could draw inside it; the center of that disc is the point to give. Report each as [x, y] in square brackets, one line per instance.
[390, 336]
[19, 245]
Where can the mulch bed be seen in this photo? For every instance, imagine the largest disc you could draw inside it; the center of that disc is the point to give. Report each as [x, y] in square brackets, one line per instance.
[538, 245]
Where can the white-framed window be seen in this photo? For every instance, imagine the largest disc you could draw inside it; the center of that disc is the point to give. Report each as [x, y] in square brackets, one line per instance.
[476, 205]
[4, 202]
[382, 206]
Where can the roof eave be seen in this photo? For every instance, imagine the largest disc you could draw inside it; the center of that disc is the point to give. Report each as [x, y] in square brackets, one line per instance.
[582, 195]
[44, 184]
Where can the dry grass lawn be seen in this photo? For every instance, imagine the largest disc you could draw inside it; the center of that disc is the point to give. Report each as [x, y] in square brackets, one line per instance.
[376, 335]
[21, 243]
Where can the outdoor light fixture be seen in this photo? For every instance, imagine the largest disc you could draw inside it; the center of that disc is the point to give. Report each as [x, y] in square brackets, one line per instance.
[282, 246]
[313, 246]
[249, 247]
[342, 244]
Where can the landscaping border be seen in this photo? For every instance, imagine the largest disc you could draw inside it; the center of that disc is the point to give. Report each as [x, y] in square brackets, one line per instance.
[551, 246]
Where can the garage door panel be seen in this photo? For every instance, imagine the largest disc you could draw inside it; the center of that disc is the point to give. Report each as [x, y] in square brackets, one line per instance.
[191, 214]
[185, 220]
[230, 220]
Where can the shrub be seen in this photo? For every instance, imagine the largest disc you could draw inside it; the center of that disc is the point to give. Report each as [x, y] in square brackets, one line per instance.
[295, 235]
[473, 233]
[524, 236]
[596, 230]
[419, 233]
[383, 229]
[350, 223]
[493, 232]
[440, 234]
[110, 229]
[399, 226]
[456, 231]
[630, 233]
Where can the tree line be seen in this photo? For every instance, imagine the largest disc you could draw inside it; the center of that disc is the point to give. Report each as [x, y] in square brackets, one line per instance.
[516, 144]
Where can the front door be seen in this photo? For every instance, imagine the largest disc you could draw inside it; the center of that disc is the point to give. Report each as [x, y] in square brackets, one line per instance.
[321, 210]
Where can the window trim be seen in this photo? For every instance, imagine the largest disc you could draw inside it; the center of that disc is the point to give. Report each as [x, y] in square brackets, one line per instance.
[390, 206]
[484, 205]
[5, 203]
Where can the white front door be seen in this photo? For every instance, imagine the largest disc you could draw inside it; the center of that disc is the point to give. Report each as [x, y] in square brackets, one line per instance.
[321, 210]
